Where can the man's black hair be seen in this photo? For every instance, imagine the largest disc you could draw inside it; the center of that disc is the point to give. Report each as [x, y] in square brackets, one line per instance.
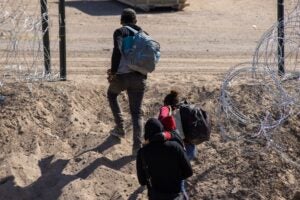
[128, 16]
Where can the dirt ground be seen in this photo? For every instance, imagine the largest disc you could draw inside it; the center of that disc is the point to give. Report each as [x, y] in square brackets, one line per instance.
[54, 136]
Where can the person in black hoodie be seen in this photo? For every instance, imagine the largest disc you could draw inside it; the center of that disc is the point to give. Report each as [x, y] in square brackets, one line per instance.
[122, 78]
[162, 164]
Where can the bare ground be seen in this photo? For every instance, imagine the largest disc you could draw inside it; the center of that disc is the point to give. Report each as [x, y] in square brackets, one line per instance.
[54, 136]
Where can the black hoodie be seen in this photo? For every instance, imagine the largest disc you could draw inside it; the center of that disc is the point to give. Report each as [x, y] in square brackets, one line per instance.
[167, 163]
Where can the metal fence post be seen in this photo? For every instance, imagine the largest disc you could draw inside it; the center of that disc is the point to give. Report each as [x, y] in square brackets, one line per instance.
[46, 40]
[62, 41]
[281, 39]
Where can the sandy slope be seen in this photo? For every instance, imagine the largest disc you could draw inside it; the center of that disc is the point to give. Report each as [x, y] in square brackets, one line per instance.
[54, 137]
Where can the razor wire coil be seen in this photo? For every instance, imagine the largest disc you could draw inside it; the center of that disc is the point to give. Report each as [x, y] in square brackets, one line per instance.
[21, 36]
[255, 99]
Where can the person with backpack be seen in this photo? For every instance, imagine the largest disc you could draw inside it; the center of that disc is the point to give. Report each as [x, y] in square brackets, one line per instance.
[122, 78]
[162, 164]
[170, 117]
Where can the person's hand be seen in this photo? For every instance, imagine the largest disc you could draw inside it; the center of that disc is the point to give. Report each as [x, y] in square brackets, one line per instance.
[110, 76]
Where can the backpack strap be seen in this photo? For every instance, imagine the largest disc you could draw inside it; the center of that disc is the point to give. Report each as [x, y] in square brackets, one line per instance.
[132, 29]
[120, 44]
[170, 110]
[177, 138]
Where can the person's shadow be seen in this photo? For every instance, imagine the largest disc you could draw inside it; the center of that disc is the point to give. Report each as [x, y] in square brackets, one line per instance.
[109, 142]
[50, 184]
[135, 194]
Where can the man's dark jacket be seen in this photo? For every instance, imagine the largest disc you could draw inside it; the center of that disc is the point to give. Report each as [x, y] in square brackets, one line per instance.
[167, 164]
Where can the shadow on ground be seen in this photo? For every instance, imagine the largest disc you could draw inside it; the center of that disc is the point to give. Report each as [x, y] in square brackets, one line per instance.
[107, 8]
[109, 142]
[50, 184]
[97, 8]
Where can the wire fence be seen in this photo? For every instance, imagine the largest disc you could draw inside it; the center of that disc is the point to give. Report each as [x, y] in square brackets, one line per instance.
[21, 41]
[255, 100]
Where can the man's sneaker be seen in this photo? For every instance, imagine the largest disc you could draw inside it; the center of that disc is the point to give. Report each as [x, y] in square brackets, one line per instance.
[118, 132]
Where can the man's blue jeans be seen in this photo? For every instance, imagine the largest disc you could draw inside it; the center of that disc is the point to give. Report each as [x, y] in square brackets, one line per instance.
[191, 151]
[134, 84]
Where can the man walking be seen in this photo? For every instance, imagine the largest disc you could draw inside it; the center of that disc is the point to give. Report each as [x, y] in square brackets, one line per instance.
[122, 78]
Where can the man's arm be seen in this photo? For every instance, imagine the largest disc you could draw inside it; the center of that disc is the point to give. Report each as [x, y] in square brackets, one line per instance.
[185, 164]
[139, 168]
[164, 111]
[166, 118]
[116, 54]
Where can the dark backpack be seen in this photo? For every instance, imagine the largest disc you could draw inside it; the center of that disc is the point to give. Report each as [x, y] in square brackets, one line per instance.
[196, 123]
[140, 51]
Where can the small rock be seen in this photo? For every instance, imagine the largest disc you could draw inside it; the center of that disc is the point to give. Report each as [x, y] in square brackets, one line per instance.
[73, 145]
[297, 196]
[2, 99]
[78, 159]
[20, 130]
[291, 179]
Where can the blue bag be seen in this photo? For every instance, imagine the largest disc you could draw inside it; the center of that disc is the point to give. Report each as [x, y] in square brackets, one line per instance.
[140, 51]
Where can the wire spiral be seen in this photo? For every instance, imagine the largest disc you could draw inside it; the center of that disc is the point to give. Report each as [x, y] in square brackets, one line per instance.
[21, 42]
[256, 100]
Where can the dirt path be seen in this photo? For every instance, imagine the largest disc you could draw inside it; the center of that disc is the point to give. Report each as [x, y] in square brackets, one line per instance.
[207, 34]
[54, 136]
